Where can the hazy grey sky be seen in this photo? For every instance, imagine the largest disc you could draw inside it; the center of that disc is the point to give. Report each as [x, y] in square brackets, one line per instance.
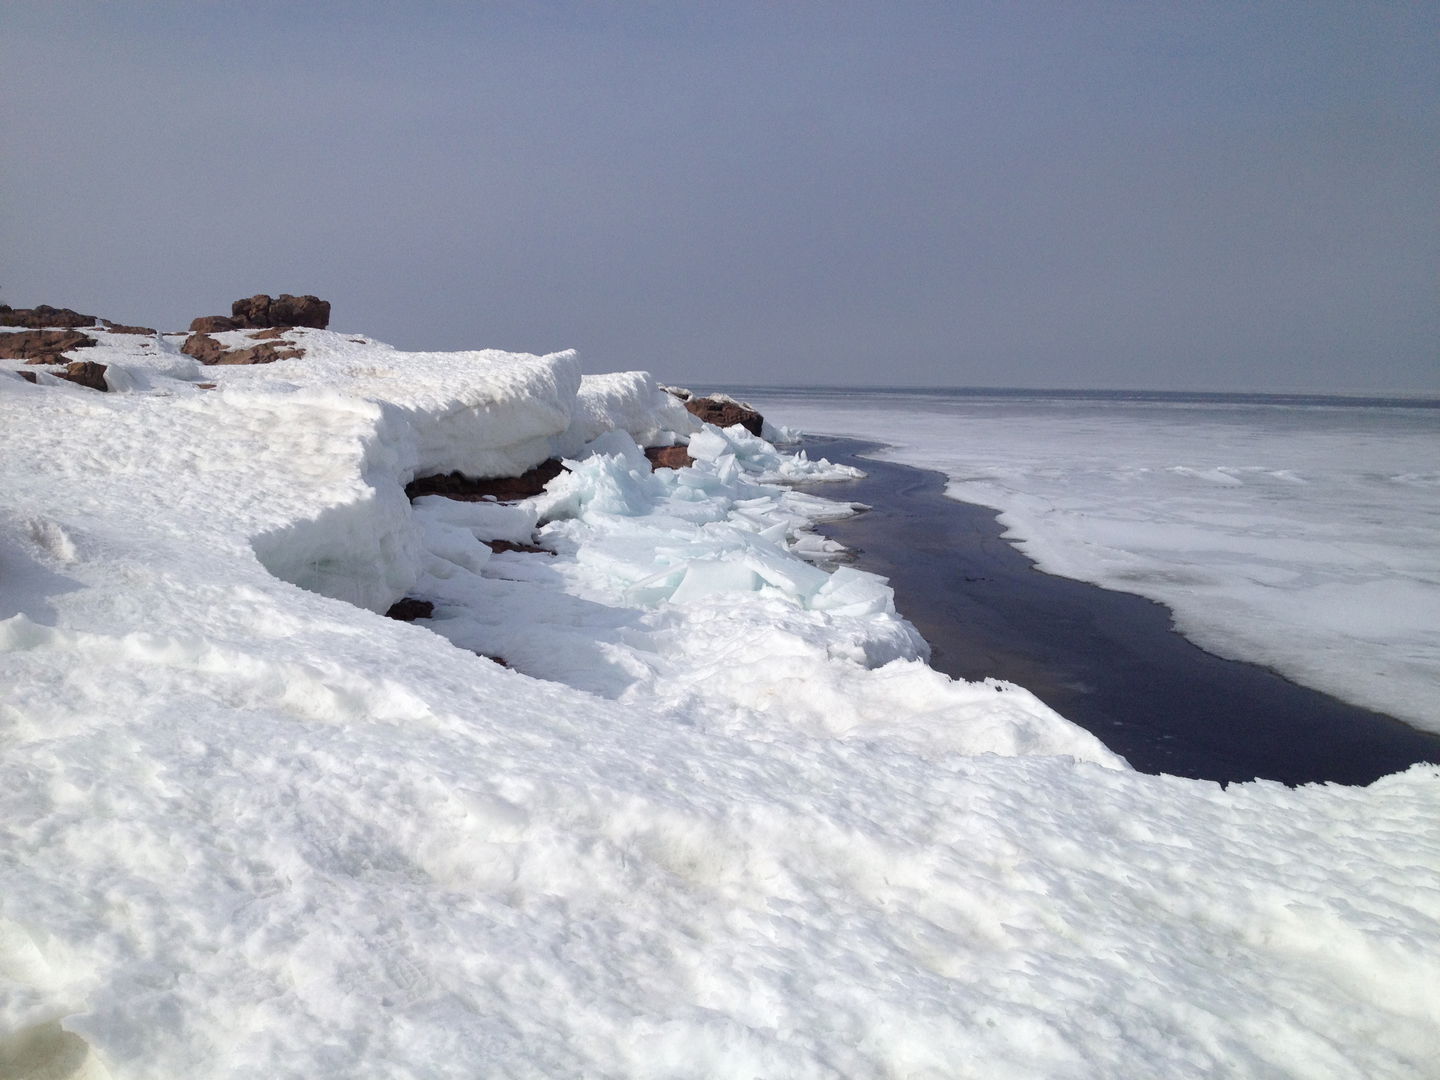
[1152, 195]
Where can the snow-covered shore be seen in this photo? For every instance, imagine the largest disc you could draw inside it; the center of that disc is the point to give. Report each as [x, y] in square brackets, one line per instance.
[719, 819]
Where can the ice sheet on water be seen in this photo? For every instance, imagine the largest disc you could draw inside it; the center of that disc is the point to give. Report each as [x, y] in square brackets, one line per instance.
[252, 830]
[1298, 536]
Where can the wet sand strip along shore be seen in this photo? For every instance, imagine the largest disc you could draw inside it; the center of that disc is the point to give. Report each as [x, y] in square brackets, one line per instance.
[1106, 660]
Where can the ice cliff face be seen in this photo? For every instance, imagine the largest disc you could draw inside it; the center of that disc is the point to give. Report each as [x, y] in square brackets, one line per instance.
[718, 818]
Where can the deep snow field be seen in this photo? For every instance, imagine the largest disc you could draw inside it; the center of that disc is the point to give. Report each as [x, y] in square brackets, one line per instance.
[717, 820]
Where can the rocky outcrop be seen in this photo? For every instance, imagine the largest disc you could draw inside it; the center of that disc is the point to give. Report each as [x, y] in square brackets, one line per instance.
[209, 350]
[410, 609]
[41, 346]
[204, 348]
[121, 328]
[38, 318]
[85, 373]
[81, 373]
[464, 488]
[723, 411]
[260, 311]
[503, 488]
[498, 546]
[669, 457]
[212, 324]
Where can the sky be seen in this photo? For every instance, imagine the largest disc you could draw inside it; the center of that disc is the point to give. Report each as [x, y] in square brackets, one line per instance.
[1206, 196]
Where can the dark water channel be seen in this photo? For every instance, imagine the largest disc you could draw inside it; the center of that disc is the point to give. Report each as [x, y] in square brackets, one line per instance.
[1106, 660]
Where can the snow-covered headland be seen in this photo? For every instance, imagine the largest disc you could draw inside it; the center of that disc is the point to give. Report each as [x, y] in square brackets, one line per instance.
[716, 818]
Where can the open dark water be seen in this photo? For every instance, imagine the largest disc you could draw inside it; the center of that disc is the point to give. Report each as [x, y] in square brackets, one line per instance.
[1106, 660]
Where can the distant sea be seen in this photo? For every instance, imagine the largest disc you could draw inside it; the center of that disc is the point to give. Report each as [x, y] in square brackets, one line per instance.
[1297, 531]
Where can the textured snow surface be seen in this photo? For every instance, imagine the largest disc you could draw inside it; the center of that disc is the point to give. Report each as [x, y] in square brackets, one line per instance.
[1302, 537]
[717, 820]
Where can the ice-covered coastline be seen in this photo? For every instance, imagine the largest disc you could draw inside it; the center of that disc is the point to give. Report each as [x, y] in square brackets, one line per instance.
[718, 820]
[1298, 533]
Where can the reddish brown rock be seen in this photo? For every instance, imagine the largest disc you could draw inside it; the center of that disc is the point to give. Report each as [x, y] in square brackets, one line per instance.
[504, 488]
[410, 609]
[82, 373]
[121, 328]
[203, 347]
[85, 373]
[669, 457]
[267, 353]
[209, 351]
[41, 346]
[213, 324]
[38, 318]
[305, 310]
[723, 412]
[498, 546]
[261, 310]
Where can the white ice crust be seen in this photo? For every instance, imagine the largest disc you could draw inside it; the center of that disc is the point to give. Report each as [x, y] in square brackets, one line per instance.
[718, 818]
[1302, 537]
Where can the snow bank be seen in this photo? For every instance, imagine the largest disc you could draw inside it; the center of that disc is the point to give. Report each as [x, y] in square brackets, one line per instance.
[628, 401]
[718, 819]
[488, 413]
